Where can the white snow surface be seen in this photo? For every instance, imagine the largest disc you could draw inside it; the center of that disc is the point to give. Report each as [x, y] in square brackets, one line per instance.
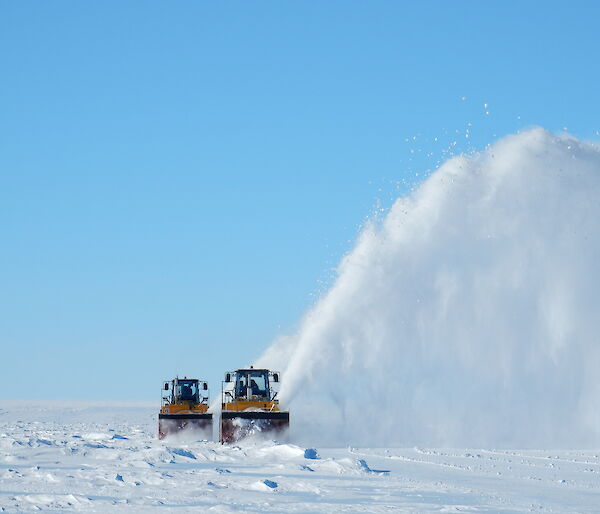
[468, 315]
[101, 458]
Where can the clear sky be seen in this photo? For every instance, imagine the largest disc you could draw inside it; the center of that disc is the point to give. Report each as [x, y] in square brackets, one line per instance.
[179, 179]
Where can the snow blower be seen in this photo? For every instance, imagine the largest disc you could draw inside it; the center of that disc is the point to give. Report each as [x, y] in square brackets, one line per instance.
[250, 407]
[184, 406]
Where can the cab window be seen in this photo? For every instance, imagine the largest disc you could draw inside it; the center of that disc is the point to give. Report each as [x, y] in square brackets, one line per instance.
[258, 383]
[188, 390]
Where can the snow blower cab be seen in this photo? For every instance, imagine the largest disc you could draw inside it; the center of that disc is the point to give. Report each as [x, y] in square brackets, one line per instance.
[184, 408]
[250, 406]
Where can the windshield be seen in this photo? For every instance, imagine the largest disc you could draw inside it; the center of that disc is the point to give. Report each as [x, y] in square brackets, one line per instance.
[187, 390]
[257, 381]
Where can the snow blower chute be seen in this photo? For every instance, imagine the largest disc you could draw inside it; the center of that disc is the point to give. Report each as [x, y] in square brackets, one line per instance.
[250, 407]
[184, 406]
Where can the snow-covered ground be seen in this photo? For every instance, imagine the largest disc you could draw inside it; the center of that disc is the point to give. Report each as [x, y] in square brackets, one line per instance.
[90, 457]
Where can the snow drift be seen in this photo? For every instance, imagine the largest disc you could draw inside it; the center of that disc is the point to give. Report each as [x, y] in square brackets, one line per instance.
[468, 316]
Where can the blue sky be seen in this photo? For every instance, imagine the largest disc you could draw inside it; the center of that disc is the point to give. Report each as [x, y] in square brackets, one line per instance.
[178, 180]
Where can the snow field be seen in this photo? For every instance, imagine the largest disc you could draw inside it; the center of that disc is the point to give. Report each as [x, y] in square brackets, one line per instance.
[100, 459]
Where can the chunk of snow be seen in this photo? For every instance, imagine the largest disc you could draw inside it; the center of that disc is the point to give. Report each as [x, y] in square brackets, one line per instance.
[183, 453]
[365, 467]
[311, 453]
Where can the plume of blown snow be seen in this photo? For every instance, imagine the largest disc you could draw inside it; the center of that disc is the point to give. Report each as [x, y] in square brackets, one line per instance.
[468, 316]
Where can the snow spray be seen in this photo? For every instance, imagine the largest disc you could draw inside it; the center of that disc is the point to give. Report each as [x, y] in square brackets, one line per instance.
[468, 316]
